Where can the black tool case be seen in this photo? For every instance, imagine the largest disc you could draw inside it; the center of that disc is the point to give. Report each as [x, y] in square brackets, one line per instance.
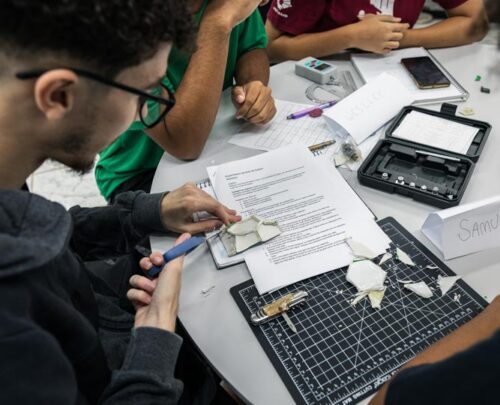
[427, 174]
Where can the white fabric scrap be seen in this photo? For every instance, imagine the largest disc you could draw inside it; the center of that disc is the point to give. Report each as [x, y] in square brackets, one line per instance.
[366, 276]
[446, 283]
[358, 297]
[376, 298]
[385, 257]
[420, 288]
[403, 257]
[360, 250]
[245, 234]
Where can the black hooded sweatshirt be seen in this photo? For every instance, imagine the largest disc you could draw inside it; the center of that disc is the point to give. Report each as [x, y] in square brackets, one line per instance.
[64, 338]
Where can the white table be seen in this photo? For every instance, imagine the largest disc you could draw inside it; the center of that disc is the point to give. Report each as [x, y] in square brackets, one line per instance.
[217, 325]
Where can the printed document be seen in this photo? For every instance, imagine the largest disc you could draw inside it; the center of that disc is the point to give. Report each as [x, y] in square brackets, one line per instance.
[314, 206]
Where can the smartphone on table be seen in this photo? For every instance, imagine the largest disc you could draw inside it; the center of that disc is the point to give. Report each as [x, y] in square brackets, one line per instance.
[425, 73]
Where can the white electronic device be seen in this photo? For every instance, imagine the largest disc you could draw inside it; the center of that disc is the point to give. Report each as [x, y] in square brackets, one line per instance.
[314, 70]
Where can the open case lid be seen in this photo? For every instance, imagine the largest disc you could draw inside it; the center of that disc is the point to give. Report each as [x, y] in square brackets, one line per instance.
[448, 112]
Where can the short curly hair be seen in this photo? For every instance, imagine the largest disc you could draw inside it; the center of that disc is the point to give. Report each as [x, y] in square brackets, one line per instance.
[110, 35]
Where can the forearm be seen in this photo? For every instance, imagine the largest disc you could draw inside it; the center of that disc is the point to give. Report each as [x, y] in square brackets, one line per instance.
[454, 31]
[187, 126]
[479, 329]
[147, 374]
[104, 232]
[286, 47]
[252, 66]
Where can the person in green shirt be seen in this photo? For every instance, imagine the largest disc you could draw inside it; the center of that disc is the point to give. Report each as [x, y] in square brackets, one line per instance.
[231, 44]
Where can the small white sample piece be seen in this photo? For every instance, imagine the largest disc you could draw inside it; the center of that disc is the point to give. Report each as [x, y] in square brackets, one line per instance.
[366, 276]
[360, 250]
[206, 292]
[376, 298]
[403, 257]
[446, 283]
[385, 257]
[420, 288]
[242, 235]
[358, 297]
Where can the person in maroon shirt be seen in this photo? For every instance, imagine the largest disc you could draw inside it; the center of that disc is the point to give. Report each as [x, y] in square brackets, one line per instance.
[301, 28]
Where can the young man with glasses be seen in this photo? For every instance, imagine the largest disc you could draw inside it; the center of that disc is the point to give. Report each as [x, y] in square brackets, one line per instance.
[74, 75]
[230, 52]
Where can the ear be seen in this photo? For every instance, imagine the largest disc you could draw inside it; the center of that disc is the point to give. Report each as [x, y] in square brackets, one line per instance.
[55, 93]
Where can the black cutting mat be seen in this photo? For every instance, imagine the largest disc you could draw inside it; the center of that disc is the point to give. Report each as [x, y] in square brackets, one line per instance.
[342, 354]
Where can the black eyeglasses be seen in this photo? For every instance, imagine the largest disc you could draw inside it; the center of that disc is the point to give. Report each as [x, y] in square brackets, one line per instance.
[157, 107]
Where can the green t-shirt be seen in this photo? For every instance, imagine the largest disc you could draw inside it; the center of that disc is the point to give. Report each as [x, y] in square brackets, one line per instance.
[134, 152]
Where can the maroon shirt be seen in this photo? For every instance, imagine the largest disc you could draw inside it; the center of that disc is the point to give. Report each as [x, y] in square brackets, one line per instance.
[304, 16]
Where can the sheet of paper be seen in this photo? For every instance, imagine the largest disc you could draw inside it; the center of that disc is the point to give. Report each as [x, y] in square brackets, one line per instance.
[281, 132]
[315, 207]
[436, 132]
[369, 108]
[370, 66]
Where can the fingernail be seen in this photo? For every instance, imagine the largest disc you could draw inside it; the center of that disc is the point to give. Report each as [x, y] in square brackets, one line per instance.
[240, 99]
[148, 265]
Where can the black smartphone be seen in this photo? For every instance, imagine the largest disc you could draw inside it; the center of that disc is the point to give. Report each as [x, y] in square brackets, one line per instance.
[425, 73]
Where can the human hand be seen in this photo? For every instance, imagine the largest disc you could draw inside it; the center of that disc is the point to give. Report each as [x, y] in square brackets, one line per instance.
[156, 302]
[232, 12]
[378, 33]
[178, 207]
[254, 102]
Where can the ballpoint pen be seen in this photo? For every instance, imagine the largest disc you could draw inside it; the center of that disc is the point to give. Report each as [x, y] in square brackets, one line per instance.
[303, 113]
[183, 248]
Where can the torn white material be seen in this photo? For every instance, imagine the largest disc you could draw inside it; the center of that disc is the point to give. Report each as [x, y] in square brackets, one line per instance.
[446, 283]
[245, 234]
[420, 288]
[431, 267]
[385, 257]
[361, 250]
[358, 297]
[376, 298]
[403, 257]
[366, 276]
[457, 297]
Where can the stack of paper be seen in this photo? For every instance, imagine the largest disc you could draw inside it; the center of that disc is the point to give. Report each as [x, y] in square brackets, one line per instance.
[314, 206]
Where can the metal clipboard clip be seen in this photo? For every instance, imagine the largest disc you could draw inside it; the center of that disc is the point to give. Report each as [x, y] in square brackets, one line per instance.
[280, 307]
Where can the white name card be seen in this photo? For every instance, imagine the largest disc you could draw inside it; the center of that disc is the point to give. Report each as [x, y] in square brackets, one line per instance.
[465, 229]
[368, 109]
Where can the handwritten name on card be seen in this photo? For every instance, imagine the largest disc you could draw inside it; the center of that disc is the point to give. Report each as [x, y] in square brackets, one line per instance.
[465, 229]
[369, 108]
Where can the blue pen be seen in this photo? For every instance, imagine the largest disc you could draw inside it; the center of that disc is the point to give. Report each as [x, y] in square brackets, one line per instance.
[181, 249]
[303, 113]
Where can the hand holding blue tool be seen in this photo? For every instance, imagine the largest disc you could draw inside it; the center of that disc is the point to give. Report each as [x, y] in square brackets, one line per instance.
[183, 248]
